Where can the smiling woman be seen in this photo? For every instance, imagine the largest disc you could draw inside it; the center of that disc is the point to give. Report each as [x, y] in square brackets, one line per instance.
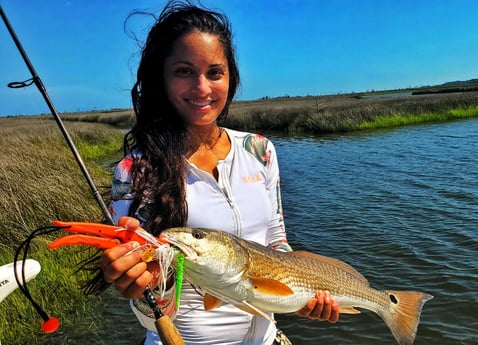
[197, 83]
[182, 168]
[197, 79]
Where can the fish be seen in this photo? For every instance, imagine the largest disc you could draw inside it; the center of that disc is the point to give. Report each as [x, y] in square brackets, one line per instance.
[259, 280]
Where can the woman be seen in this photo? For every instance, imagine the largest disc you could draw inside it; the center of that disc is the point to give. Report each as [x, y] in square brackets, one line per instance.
[183, 169]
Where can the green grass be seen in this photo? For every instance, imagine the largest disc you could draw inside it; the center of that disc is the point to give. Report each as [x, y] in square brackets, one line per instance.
[412, 119]
[41, 182]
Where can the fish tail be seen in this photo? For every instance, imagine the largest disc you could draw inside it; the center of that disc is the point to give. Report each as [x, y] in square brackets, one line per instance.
[403, 316]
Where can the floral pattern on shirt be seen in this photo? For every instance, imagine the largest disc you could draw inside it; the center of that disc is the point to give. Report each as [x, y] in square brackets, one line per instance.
[257, 145]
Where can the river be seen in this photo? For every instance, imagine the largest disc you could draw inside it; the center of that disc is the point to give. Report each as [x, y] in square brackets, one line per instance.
[400, 205]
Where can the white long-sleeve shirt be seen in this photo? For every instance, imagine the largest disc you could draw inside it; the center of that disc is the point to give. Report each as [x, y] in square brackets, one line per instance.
[245, 201]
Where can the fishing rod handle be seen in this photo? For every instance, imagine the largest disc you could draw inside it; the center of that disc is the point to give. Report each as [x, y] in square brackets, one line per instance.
[168, 333]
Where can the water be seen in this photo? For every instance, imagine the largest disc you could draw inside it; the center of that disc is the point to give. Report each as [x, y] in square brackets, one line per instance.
[402, 207]
[399, 205]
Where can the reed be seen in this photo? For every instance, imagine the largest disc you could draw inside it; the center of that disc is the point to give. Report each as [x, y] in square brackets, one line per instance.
[41, 182]
[345, 113]
[326, 114]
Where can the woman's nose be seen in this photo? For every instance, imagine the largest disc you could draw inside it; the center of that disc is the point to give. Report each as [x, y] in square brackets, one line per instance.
[202, 84]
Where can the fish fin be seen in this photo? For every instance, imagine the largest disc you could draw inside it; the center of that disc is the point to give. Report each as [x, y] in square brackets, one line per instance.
[249, 308]
[270, 286]
[350, 310]
[403, 316]
[211, 302]
[334, 262]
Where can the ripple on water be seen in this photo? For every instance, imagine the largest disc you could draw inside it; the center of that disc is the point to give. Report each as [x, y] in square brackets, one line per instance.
[402, 207]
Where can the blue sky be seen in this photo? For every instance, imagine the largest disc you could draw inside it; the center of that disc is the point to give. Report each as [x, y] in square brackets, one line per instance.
[284, 47]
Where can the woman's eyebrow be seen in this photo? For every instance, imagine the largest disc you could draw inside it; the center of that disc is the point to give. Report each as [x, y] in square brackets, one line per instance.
[185, 62]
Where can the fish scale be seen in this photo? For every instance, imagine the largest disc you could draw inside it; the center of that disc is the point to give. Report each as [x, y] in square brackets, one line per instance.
[312, 276]
[258, 279]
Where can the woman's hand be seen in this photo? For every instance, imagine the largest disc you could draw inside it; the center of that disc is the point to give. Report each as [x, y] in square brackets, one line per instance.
[128, 273]
[321, 307]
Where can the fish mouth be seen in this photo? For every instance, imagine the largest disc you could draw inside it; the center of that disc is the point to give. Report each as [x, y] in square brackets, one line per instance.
[187, 250]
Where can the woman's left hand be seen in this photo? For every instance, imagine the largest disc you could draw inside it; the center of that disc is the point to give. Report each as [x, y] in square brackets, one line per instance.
[321, 307]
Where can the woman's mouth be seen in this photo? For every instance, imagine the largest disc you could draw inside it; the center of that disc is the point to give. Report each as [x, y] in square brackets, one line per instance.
[199, 104]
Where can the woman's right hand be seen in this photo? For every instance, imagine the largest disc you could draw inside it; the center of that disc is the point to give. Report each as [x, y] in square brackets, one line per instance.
[128, 273]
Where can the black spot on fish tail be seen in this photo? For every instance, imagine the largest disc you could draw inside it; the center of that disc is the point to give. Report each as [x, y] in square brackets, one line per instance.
[403, 315]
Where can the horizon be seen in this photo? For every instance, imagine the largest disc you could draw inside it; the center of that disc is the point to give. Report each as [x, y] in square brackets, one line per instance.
[265, 98]
[293, 48]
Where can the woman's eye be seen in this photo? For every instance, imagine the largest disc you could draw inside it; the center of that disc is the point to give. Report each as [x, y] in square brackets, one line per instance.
[183, 72]
[216, 74]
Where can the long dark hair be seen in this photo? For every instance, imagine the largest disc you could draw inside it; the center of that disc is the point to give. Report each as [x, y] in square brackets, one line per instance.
[159, 133]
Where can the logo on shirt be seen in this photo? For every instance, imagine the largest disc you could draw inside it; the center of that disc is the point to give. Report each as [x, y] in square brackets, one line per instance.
[252, 179]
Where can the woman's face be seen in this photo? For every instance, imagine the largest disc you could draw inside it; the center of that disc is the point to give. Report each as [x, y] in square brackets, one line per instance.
[197, 78]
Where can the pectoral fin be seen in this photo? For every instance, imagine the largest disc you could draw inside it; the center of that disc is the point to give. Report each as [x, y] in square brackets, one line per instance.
[270, 286]
[211, 302]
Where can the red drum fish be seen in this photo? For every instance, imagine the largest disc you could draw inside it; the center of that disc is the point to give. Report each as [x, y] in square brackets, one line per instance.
[258, 280]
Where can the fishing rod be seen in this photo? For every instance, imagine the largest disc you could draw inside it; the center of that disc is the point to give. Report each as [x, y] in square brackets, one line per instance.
[166, 329]
[39, 84]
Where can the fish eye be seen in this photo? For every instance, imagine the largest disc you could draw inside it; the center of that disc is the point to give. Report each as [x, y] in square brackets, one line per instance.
[198, 234]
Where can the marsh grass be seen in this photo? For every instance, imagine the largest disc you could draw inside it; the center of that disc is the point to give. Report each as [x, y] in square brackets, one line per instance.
[41, 182]
[345, 113]
[326, 114]
[121, 118]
